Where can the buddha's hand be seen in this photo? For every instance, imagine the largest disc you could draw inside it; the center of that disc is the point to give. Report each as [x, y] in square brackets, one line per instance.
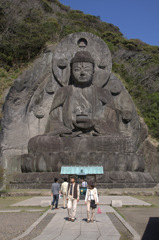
[60, 131]
[83, 122]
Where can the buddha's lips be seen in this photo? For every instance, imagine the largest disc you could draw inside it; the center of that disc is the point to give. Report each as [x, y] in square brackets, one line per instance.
[82, 78]
[82, 118]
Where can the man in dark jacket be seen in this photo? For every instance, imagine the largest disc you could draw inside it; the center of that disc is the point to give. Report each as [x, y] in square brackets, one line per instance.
[55, 189]
[72, 197]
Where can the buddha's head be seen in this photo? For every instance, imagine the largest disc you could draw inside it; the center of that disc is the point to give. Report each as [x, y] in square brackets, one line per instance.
[82, 66]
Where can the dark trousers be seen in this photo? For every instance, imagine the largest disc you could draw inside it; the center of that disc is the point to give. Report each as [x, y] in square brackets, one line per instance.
[55, 200]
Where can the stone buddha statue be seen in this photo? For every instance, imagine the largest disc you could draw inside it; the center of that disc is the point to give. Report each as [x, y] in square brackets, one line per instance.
[69, 109]
[82, 108]
[89, 117]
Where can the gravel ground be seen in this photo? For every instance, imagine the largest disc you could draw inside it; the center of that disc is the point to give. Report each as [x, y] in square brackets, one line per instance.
[144, 220]
[14, 224]
[39, 228]
[125, 234]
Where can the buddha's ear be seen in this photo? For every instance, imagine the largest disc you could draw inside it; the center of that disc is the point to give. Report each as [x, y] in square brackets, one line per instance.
[93, 68]
[61, 69]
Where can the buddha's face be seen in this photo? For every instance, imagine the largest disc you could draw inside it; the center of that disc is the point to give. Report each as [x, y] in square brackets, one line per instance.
[82, 73]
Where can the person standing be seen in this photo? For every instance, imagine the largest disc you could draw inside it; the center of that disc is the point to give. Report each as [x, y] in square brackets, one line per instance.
[55, 189]
[84, 183]
[72, 197]
[64, 189]
[91, 199]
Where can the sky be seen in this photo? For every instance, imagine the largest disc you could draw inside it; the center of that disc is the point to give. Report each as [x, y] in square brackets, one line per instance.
[136, 19]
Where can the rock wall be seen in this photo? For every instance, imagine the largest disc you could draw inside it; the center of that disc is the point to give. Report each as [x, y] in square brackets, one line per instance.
[151, 156]
[27, 106]
[24, 113]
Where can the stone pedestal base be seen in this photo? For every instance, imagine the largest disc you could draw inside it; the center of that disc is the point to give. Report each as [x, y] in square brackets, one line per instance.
[44, 180]
[52, 161]
[123, 167]
[116, 143]
[114, 153]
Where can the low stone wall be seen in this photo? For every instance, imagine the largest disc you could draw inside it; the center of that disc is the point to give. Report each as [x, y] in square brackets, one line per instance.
[151, 156]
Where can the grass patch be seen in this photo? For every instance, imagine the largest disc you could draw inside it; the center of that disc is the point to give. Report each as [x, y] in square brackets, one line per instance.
[118, 211]
[5, 202]
[154, 200]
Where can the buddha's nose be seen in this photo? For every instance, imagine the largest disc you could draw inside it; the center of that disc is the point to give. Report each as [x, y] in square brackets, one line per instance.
[82, 73]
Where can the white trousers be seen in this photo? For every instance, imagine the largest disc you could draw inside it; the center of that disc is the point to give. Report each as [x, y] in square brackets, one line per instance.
[71, 206]
[64, 200]
[90, 211]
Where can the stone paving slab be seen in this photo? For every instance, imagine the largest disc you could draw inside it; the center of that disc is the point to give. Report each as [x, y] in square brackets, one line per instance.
[20, 210]
[109, 238]
[60, 229]
[89, 235]
[34, 201]
[10, 211]
[54, 228]
[126, 200]
[69, 235]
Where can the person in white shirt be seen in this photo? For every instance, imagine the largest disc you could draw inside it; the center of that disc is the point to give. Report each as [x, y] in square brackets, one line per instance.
[64, 189]
[91, 199]
[84, 183]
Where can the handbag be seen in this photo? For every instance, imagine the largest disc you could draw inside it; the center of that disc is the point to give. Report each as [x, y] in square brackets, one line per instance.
[99, 210]
[92, 204]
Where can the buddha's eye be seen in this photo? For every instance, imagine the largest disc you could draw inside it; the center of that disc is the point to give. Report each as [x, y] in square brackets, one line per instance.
[87, 69]
[76, 69]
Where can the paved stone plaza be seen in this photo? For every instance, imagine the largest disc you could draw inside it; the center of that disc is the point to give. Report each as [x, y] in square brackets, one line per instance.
[104, 200]
[102, 228]
[29, 219]
[59, 228]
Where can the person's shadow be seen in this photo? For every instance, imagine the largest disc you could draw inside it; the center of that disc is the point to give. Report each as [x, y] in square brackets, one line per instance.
[152, 229]
[84, 220]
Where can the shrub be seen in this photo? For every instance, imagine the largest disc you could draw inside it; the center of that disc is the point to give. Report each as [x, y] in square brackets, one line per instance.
[75, 15]
[112, 37]
[46, 6]
[131, 45]
[63, 7]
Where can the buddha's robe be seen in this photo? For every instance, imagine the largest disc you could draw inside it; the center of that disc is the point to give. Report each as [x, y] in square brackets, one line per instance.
[92, 103]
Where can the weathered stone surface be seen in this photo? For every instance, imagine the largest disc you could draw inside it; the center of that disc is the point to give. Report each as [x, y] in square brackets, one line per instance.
[45, 203]
[118, 144]
[151, 156]
[73, 43]
[42, 180]
[69, 109]
[116, 203]
[46, 161]
[20, 110]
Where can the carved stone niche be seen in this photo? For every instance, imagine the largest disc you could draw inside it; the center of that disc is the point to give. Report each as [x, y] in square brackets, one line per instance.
[87, 115]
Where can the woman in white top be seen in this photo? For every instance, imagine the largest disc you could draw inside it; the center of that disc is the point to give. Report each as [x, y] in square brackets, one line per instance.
[91, 194]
